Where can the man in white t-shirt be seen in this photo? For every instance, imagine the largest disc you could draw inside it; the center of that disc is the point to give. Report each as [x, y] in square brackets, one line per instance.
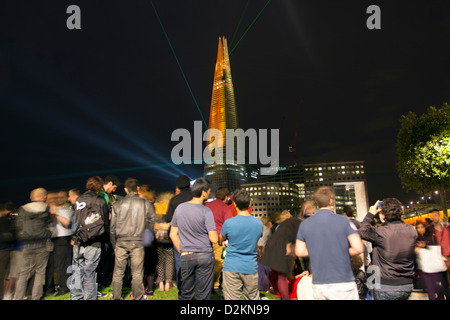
[62, 234]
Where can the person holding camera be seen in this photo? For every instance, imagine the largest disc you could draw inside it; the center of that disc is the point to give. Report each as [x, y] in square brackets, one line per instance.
[393, 250]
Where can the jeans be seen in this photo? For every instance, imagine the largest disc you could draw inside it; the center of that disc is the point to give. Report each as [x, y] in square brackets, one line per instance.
[135, 250]
[391, 295]
[177, 259]
[33, 260]
[83, 282]
[197, 276]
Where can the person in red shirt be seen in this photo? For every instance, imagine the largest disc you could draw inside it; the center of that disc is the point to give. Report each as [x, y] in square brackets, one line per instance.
[221, 212]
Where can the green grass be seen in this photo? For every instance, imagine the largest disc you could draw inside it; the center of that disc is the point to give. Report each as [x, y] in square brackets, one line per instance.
[172, 294]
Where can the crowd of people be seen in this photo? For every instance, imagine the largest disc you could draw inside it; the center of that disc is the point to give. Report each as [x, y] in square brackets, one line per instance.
[80, 242]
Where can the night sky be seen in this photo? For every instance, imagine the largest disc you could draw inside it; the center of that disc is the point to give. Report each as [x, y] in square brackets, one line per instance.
[106, 98]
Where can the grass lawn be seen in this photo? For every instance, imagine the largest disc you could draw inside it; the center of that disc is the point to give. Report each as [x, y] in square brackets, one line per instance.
[172, 294]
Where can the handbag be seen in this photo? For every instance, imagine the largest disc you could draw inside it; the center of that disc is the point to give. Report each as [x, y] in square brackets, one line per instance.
[162, 232]
[430, 260]
[147, 238]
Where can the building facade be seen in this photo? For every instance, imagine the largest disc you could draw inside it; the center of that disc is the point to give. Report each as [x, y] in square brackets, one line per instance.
[223, 116]
[294, 174]
[270, 198]
[348, 180]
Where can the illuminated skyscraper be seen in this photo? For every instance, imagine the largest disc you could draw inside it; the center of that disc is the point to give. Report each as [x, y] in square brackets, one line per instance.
[223, 116]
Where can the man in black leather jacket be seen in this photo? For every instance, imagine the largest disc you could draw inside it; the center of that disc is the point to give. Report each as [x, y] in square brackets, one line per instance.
[131, 215]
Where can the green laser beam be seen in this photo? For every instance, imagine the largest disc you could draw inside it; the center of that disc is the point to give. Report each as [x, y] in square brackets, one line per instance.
[178, 62]
[254, 20]
[239, 23]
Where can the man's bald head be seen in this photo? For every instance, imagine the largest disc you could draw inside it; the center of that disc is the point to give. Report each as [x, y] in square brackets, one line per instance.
[39, 194]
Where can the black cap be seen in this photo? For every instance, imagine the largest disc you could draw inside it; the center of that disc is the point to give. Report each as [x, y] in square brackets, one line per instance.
[183, 182]
[115, 181]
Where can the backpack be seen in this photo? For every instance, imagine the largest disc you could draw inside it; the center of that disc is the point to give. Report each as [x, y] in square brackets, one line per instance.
[91, 227]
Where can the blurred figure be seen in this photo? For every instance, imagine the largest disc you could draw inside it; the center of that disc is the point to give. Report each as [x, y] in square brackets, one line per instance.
[441, 230]
[131, 216]
[33, 224]
[278, 255]
[393, 250]
[221, 213]
[73, 195]
[184, 194]
[267, 231]
[89, 208]
[360, 276]
[7, 242]
[192, 231]
[433, 281]
[264, 282]
[145, 191]
[49, 282]
[165, 264]
[350, 213]
[62, 252]
[329, 240]
[240, 269]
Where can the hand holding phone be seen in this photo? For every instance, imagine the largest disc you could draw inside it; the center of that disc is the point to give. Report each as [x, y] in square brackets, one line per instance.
[380, 205]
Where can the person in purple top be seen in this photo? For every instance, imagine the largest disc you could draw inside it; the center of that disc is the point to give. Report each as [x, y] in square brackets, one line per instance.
[193, 231]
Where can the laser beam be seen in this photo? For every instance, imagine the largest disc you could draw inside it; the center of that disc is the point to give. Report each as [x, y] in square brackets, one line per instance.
[239, 23]
[178, 62]
[251, 24]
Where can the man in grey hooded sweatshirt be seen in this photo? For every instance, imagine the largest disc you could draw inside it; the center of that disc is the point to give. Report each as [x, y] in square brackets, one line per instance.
[33, 225]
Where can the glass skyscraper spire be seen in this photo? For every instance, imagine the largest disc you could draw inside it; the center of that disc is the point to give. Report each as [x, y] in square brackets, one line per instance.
[223, 116]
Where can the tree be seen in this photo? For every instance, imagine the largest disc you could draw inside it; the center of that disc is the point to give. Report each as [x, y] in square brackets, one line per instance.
[423, 149]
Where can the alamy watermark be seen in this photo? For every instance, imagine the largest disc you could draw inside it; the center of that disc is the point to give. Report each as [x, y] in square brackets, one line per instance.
[235, 143]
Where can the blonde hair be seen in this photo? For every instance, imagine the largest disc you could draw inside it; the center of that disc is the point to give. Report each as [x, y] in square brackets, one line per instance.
[162, 202]
[265, 220]
[285, 215]
[146, 192]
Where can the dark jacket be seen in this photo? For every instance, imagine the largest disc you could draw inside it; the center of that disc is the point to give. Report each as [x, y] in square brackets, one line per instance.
[7, 233]
[130, 216]
[275, 250]
[33, 223]
[183, 196]
[90, 202]
[393, 249]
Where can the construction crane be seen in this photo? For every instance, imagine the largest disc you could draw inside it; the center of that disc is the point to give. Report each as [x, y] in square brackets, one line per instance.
[292, 146]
